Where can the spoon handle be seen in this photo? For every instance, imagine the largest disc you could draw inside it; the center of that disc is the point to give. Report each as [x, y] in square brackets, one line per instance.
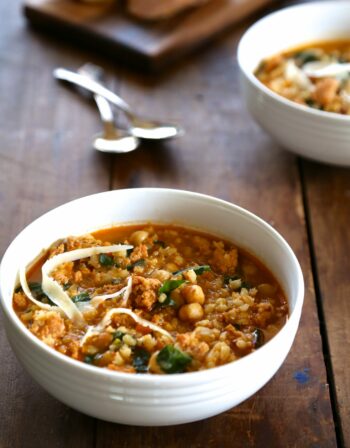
[91, 85]
[106, 113]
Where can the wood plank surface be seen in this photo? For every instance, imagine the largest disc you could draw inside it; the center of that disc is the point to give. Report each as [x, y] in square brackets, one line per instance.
[46, 159]
[224, 154]
[110, 29]
[328, 194]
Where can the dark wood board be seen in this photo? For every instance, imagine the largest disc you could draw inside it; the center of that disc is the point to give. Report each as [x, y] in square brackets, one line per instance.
[109, 29]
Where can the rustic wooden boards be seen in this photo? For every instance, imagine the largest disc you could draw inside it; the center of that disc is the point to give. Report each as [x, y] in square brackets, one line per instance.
[46, 160]
[228, 156]
[148, 45]
[328, 197]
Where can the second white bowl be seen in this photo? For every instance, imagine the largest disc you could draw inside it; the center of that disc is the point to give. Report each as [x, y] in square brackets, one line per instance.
[314, 134]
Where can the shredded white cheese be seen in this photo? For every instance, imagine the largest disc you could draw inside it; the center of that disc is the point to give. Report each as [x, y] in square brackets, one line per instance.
[125, 292]
[97, 300]
[345, 97]
[297, 76]
[107, 320]
[54, 290]
[92, 331]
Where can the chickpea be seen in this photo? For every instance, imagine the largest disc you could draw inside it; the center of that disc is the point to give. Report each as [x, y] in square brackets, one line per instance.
[193, 294]
[249, 269]
[267, 290]
[191, 312]
[138, 237]
[177, 297]
[190, 275]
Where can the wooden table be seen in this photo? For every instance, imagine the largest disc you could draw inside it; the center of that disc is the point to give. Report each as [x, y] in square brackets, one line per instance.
[46, 160]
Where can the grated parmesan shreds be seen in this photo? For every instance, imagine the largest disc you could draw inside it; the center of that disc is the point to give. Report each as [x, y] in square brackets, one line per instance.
[125, 292]
[54, 290]
[128, 290]
[107, 320]
[295, 74]
[145, 323]
[97, 300]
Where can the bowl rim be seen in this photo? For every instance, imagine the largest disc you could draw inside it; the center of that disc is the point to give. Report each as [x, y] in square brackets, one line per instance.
[157, 379]
[321, 114]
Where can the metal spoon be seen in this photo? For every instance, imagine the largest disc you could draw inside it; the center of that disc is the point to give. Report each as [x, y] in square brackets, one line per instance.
[111, 139]
[140, 127]
[319, 69]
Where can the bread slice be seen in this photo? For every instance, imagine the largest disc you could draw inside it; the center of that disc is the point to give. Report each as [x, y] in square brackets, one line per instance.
[159, 9]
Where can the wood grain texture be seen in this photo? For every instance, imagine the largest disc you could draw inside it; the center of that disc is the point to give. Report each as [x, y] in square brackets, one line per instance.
[149, 45]
[45, 160]
[224, 154]
[328, 194]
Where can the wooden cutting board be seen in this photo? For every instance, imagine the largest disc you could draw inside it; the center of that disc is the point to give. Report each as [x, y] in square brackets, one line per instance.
[151, 46]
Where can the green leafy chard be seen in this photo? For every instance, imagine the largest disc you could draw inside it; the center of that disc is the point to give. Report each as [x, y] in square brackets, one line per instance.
[140, 262]
[140, 360]
[173, 360]
[170, 285]
[36, 288]
[82, 297]
[37, 291]
[106, 260]
[160, 243]
[67, 286]
[199, 270]
[167, 287]
[89, 359]
[305, 56]
[258, 338]
[246, 285]
[118, 335]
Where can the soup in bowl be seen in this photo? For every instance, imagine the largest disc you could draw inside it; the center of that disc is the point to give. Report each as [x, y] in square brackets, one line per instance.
[140, 306]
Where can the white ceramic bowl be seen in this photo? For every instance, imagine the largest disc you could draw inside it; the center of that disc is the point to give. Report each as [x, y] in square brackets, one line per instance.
[151, 399]
[315, 134]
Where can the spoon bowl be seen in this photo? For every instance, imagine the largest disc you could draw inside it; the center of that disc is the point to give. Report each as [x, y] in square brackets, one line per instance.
[153, 130]
[112, 139]
[121, 142]
[140, 127]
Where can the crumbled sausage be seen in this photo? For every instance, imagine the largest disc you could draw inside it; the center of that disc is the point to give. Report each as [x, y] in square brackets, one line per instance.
[145, 291]
[225, 261]
[140, 252]
[190, 343]
[48, 326]
[325, 91]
